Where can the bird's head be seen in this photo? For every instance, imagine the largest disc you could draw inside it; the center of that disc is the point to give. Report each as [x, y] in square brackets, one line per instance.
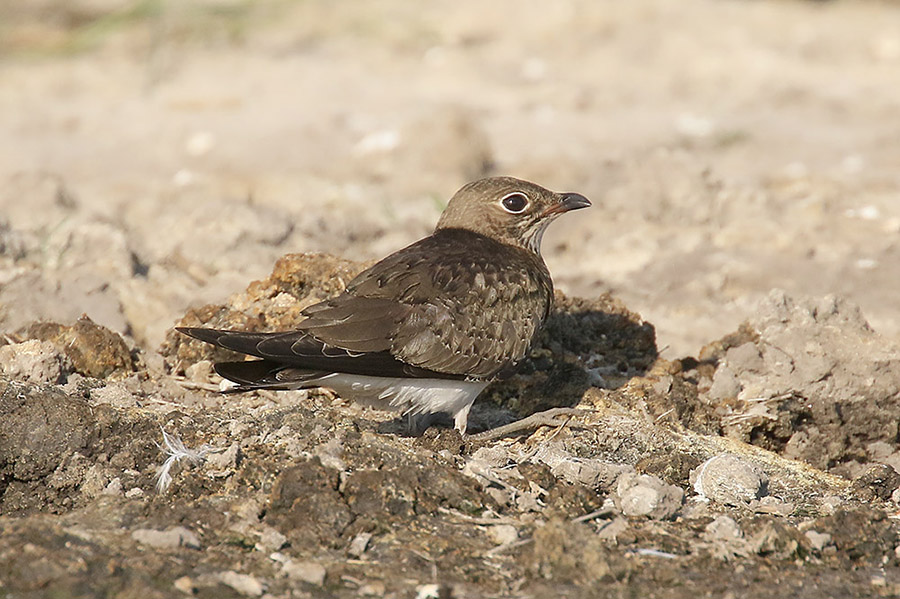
[510, 210]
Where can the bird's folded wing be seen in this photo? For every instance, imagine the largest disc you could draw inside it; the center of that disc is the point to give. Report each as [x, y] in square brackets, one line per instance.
[455, 304]
[301, 350]
[452, 308]
[355, 324]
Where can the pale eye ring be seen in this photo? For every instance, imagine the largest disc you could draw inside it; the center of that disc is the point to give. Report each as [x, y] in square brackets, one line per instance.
[515, 202]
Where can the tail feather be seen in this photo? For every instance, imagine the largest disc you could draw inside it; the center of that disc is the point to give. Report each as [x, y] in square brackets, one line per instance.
[239, 341]
[250, 372]
[301, 351]
[264, 374]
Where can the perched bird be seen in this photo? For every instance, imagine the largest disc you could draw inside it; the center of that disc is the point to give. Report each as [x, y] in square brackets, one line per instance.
[427, 328]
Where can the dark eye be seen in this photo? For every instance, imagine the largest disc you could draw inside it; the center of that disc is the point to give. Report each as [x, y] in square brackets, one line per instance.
[515, 202]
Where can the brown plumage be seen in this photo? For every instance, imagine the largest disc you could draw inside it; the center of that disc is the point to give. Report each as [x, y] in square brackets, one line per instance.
[426, 328]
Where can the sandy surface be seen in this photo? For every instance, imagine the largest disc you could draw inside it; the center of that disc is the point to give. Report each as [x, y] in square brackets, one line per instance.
[157, 156]
[729, 147]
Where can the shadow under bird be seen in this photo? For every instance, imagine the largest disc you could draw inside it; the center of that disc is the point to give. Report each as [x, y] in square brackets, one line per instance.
[426, 329]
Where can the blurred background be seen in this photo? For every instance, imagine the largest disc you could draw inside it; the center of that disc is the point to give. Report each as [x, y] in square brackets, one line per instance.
[157, 154]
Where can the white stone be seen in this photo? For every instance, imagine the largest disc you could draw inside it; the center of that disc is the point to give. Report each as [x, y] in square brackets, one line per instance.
[310, 572]
[172, 538]
[242, 583]
[817, 540]
[730, 480]
[503, 534]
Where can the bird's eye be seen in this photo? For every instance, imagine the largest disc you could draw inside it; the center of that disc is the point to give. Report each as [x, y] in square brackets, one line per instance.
[515, 202]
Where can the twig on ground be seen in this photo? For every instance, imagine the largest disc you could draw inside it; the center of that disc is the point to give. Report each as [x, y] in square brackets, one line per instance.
[186, 384]
[550, 417]
[652, 553]
[604, 511]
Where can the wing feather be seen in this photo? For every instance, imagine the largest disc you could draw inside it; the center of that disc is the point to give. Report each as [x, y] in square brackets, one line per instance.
[470, 305]
[455, 304]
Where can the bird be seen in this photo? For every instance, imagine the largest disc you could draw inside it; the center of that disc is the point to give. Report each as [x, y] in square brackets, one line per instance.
[426, 329]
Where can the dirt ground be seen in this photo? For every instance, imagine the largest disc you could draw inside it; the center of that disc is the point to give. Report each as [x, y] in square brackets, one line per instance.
[725, 351]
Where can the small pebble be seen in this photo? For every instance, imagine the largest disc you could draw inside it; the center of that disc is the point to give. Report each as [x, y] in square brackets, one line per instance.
[185, 585]
[428, 591]
[647, 495]
[33, 361]
[199, 372]
[114, 487]
[359, 544]
[817, 540]
[503, 534]
[830, 504]
[771, 505]
[498, 457]
[729, 480]
[372, 589]
[271, 540]
[723, 528]
[242, 583]
[592, 473]
[309, 572]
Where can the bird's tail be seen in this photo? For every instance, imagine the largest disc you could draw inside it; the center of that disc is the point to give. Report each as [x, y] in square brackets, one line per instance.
[239, 341]
[264, 374]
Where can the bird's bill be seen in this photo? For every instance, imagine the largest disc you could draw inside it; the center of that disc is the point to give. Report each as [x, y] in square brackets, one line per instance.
[568, 202]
